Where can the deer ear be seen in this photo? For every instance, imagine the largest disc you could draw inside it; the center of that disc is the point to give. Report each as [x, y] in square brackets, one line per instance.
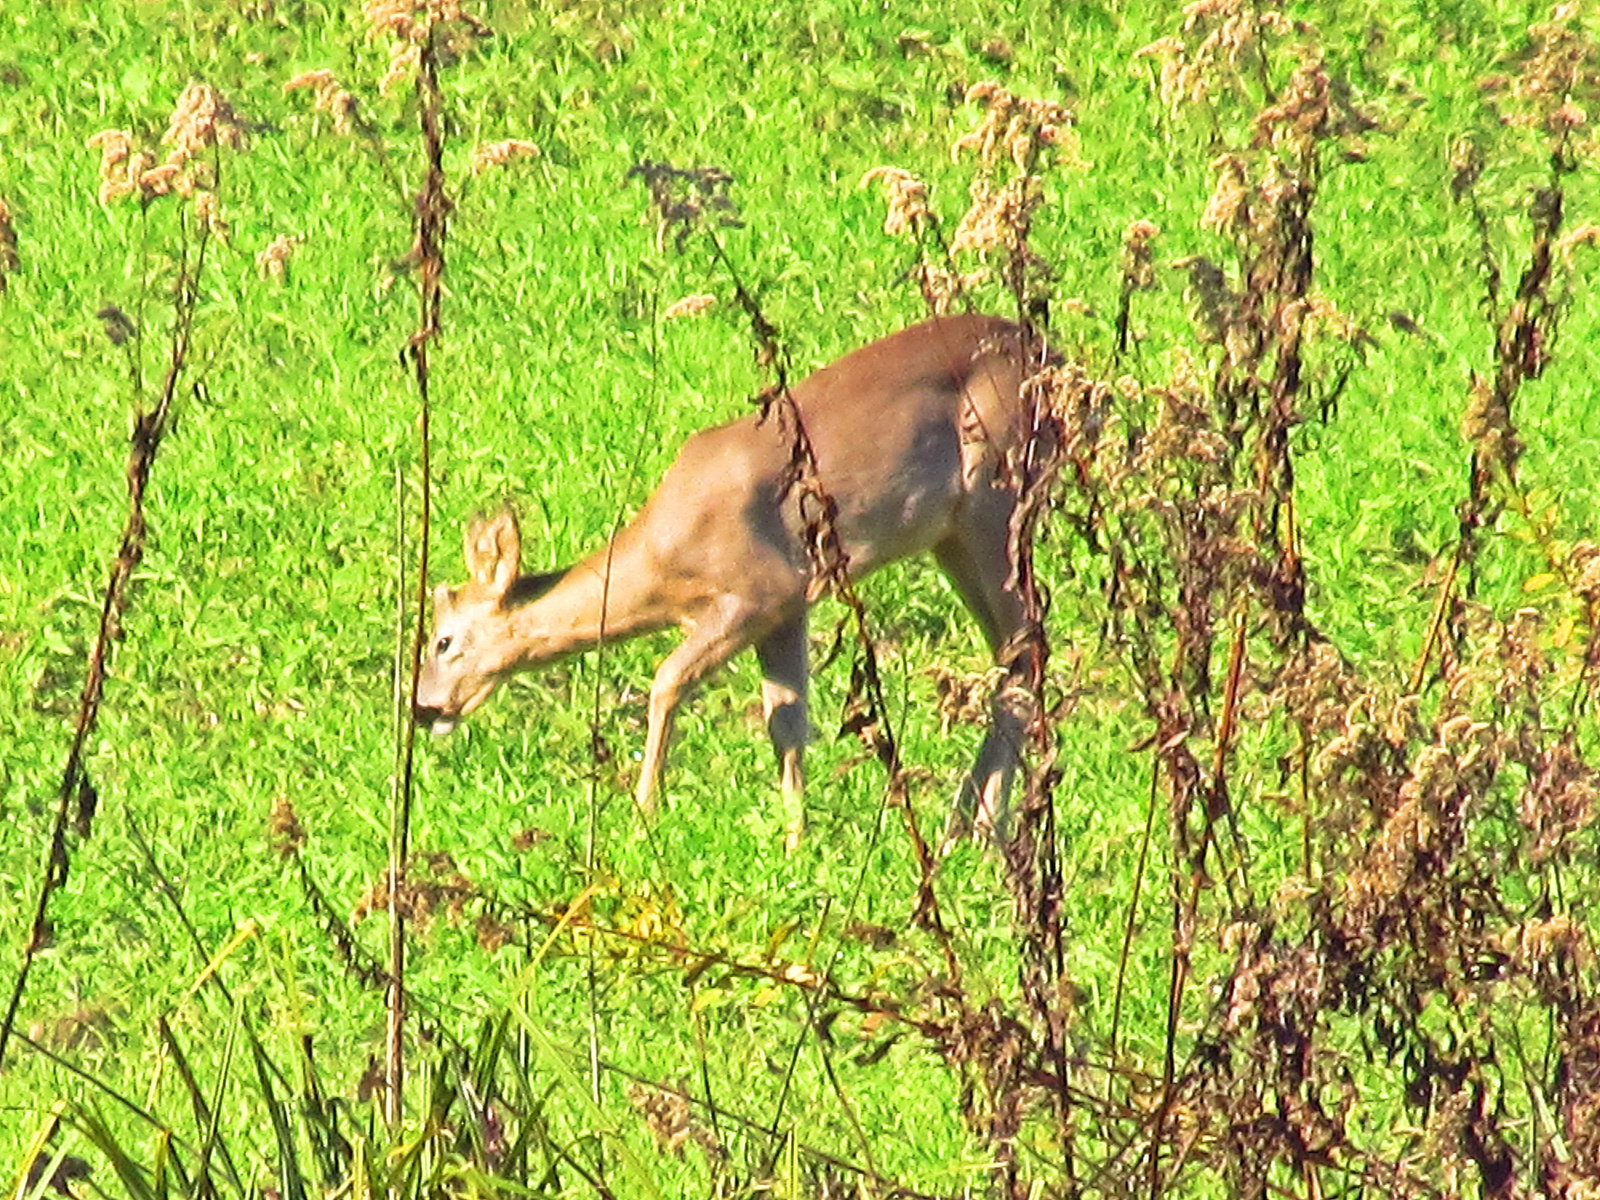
[494, 551]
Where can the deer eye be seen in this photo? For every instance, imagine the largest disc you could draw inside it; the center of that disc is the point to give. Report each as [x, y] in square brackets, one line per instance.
[441, 646]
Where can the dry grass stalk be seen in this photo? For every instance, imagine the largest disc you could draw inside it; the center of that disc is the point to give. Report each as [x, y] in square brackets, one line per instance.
[206, 210]
[1228, 50]
[432, 885]
[962, 698]
[1138, 275]
[1021, 132]
[1397, 901]
[1018, 128]
[202, 120]
[1138, 266]
[1016, 139]
[1005, 1055]
[410, 23]
[907, 198]
[1559, 76]
[685, 199]
[944, 289]
[996, 218]
[330, 97]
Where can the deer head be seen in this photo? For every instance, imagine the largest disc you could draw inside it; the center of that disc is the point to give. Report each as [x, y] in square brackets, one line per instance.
[473, 646]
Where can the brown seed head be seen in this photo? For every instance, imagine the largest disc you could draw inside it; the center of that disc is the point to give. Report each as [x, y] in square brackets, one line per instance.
[116, 148]
[410, 23]
[1138, 265]
[273, 262]
[158, 181]
[942, 288]
[328, 97]
[202, 119]
[497, 154]
[907, 198]
[689, 306]
[284, 831]
[1229, 202]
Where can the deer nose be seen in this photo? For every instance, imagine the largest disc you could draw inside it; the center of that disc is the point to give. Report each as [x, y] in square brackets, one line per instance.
[433, 719]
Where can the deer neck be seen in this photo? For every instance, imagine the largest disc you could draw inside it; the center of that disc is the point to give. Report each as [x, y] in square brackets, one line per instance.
[600, 599]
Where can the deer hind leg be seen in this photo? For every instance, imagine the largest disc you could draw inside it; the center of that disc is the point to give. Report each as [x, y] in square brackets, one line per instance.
[975, 557]
[716, 636]
[783, 697]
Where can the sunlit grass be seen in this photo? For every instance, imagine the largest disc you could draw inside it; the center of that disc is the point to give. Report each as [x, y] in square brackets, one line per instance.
[258, 652]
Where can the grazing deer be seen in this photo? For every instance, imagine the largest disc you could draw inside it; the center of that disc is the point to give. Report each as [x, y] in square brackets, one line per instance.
[908, 433]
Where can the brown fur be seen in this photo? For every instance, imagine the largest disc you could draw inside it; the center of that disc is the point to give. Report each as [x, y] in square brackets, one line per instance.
[909, 434]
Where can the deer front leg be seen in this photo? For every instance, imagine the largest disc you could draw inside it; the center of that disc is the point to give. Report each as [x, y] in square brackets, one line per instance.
[662, 706]
[717, 635]
[784, 674]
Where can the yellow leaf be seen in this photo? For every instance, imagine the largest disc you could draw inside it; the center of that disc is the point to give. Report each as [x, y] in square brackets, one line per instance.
[1540, 581]
[706, 998]
[780, 935]
[1563, 633]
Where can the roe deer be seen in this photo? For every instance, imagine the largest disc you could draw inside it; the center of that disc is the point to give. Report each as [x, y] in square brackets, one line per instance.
[909, 434]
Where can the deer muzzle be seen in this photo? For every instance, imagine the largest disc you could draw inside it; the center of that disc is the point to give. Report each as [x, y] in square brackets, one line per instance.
[434, 720]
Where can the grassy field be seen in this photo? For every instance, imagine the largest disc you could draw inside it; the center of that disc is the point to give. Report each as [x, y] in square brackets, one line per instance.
[204, 1015]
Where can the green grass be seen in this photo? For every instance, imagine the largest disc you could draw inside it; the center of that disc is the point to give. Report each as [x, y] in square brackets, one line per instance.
[258, 650]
